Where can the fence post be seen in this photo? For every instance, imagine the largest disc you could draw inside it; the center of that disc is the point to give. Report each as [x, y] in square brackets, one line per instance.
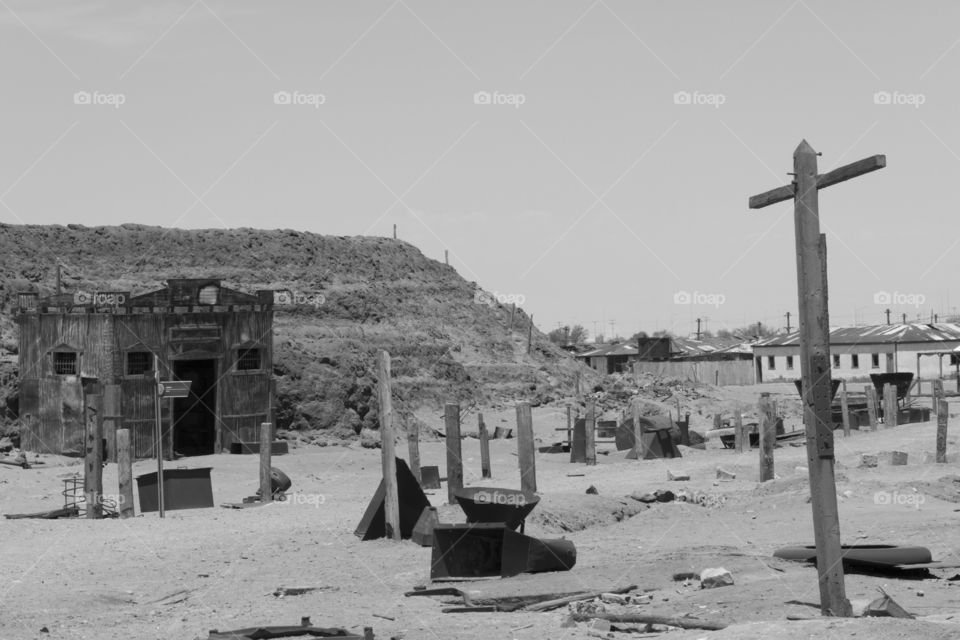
[485, 445]
[768, 436]
[591, 432]
[871, 406]
[943, 413]
[738, 435]
[266, 439]
[451, 421]
[845, 408]
[93, 463]
[124, 474]
[413, 447]
[526, 448]
[391, 500]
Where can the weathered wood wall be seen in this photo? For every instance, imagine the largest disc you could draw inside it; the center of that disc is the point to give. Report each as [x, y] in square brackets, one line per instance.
[727, 372]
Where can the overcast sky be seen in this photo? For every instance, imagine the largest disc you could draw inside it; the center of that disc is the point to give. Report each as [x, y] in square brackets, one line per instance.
[593, 157]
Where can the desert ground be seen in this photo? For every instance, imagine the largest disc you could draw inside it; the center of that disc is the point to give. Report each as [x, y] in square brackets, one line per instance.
[202, 569]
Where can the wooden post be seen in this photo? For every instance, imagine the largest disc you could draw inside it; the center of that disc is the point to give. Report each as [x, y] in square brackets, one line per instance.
[158, 436]
[530, 335]
[526, 448]
[391, 501]
[943, 413]
[485, 446]
[937, 393]
[124, 474]
[871, 405]
[569, 425]
[451, 421]
[889, 405]
[738, 434]
[591, 432]
[814, 326]
[768, 435]
[679, 415]
[845, 408]
[266, 439]
[637, 440]
[717, 421]
[413, 448]
[814, 330]
[93, 463]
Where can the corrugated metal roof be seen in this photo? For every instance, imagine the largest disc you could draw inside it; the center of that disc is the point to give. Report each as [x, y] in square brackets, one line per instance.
[877, 334]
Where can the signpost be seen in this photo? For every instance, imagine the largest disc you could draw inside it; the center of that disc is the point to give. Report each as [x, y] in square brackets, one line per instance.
[164, 389]
[815, 357]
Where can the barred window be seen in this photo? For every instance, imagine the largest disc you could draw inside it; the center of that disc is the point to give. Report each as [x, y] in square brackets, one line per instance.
[139, 362]
[65, 363]
[248, 359]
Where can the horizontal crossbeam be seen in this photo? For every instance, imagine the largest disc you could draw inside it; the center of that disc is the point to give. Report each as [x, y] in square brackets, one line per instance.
[840, 174]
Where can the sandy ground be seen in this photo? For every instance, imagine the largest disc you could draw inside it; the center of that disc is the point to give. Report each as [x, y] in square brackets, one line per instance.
[204, 569]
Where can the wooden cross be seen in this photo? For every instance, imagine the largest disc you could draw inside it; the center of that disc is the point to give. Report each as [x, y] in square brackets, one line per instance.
[814, 330]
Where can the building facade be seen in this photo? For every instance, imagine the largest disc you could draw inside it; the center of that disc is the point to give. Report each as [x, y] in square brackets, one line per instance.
[75, 345]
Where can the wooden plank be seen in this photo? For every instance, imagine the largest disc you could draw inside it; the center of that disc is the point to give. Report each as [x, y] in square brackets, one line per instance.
[845, 408]
[266, 440]
[526, 448]
[637, 439]
[943, 414]
[484, 446]
[451, 420]
[890, 407]
[124, 474]
[391, 502]
[871, 394]
[93, 459]
[738, 435]
[768, 436]
[814, 329]
[413, 448]
[838, 175]
[590, 432]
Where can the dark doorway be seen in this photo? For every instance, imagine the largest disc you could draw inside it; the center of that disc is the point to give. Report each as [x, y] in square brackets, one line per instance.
[195, 417]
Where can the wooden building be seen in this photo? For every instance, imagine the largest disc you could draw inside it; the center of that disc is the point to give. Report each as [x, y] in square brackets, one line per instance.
[76, 344]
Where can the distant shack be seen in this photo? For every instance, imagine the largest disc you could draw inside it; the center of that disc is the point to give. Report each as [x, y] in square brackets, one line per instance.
[76, 344]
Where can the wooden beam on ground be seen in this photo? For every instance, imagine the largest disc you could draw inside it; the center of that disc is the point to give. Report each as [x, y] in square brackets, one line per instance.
[591, 432]
[485, 446]
[124, 475]
[93, 461]
[391, 501]
[943, 413]
[451, 421]
[526, 448]
[266, 483]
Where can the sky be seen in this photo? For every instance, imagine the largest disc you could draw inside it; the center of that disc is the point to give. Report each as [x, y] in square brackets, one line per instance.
[592, 159]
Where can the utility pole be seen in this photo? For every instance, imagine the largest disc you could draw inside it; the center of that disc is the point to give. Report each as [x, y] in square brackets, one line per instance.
[888, 316]
[788, 322]
[814, 326]
[759, 328]
[904, 318]
[698, 328]
[611, 328]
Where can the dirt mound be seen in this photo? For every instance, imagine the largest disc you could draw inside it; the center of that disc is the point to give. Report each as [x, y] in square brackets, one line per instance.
[565, 512]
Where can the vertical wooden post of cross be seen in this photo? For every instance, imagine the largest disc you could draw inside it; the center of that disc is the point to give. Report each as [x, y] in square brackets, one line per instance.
[814, 330]
[391, 502]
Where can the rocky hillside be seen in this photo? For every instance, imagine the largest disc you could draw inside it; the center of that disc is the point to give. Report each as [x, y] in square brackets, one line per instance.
[379, 294]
